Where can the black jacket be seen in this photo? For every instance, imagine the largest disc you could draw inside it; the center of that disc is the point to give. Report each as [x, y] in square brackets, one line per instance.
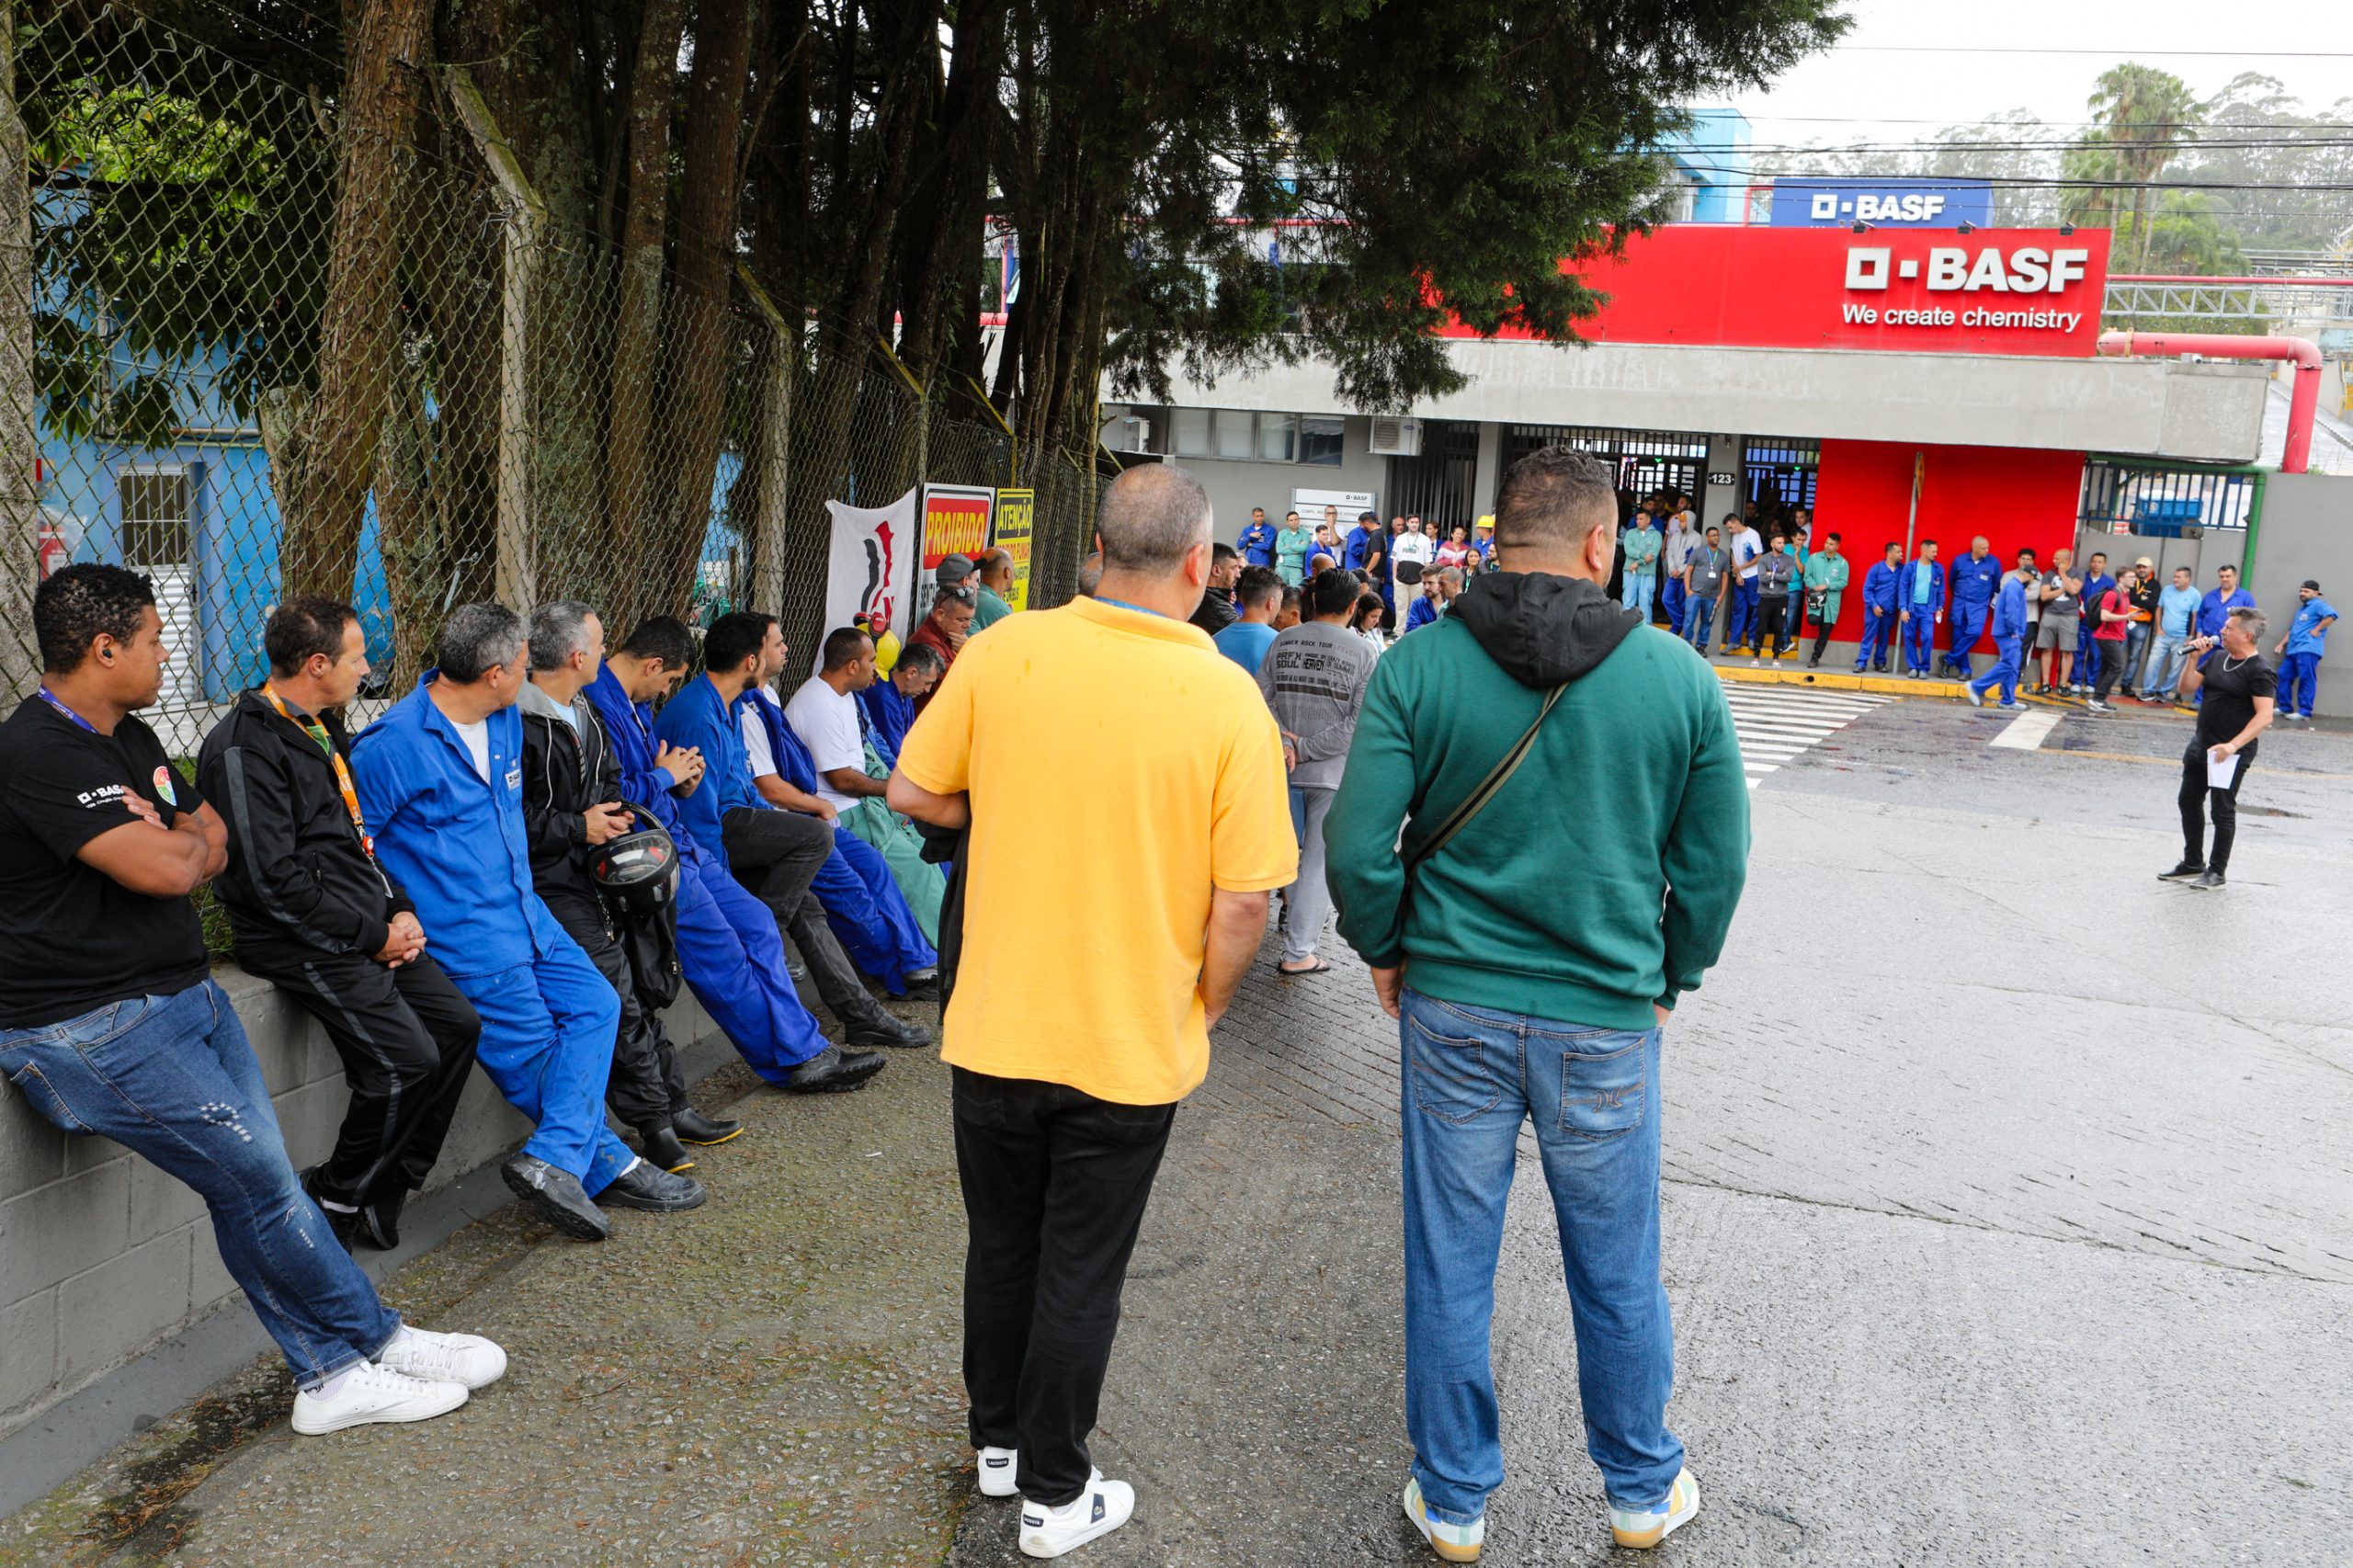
[565, 771]
[298, 872]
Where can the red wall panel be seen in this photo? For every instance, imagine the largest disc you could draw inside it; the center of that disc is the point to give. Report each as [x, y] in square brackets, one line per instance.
[2017, 498]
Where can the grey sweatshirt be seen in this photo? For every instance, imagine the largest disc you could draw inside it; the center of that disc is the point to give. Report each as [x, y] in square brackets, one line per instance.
[1314, 677]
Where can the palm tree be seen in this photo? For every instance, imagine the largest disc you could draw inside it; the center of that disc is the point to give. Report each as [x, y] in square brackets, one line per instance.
[2146, 117]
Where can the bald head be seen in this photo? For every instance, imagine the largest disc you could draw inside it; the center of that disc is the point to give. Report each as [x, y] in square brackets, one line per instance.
[1151, 518]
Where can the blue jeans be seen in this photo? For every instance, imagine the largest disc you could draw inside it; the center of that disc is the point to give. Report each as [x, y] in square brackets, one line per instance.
[172, 1079]
[1700, 621]
[1640, 587]
[2165, 657]
[2136, 643]
[1470, 1077]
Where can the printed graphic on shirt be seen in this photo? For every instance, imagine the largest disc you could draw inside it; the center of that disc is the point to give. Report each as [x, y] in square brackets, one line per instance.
[163, 786]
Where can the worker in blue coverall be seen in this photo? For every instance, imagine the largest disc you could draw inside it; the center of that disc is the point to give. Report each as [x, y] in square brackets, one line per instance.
[2301, 649]
[1880, 590]
[1976, 578]
[1258, 541]
[859, 898]
[2098, 581]
[889, 705]
[440, 781]
[729, 952]
[1920, 606]
[2009, 625]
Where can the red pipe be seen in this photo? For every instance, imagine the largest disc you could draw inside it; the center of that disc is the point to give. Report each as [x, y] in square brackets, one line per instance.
[2304, 399]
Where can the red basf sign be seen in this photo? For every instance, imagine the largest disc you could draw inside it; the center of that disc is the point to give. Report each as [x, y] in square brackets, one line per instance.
[1898, 291]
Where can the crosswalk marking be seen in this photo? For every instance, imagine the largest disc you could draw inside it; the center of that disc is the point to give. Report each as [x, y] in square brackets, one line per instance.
[1777, 723]
[2027, 732]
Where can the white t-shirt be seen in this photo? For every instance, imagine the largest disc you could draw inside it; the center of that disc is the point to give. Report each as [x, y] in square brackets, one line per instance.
[756, 751]
[827, 722]
[477, 738]
[1412, 547]
[1746, 546]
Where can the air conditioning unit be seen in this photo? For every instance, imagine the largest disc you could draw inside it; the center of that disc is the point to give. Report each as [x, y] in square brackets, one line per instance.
[1393, 437]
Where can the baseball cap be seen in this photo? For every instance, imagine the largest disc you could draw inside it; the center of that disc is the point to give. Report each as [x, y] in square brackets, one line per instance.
[954, 569]
[2313, 583]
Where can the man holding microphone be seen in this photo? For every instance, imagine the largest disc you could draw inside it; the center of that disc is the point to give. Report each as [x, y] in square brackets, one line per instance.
[2238, 705]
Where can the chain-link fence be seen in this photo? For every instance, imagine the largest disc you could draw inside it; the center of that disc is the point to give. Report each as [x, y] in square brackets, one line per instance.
[211, 374]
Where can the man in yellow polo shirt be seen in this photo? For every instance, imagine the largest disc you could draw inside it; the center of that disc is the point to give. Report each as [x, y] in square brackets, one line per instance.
[1116, 869]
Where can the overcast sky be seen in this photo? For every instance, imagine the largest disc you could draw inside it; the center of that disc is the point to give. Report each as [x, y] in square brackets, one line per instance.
[1902, 62]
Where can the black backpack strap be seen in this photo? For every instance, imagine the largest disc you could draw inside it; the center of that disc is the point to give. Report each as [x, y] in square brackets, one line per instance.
[1489, 786]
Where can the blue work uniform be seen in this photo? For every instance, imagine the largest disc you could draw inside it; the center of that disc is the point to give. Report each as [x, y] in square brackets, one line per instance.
[1359, 546]
[1256, 544]
[888, 712]
[1923, 591]
[2214, 610]
[2009, 625]
[2088, 651]
[456, 844]
[862, 902]
[1422, 613]
[729, 951]
[1881, 586]
[2300, 661]
[1976, 583]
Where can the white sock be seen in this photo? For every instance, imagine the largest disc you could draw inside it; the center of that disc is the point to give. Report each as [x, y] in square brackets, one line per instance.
[332, 1387]
[399, 1338]
[629, 1167]
[334, 1207]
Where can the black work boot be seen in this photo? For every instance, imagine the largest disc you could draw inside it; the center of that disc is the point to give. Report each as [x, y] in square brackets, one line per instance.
[379, 1218]
[660, 1145]
[693, 1127]
[655, 1191]
[833, 1071]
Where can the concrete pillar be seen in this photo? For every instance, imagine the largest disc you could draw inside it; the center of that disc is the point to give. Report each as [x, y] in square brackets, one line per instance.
[1725, 462]
[1487, 477]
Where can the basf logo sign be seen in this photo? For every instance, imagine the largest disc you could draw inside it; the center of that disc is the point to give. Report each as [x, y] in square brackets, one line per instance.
[1883, 203]
[1894, 290]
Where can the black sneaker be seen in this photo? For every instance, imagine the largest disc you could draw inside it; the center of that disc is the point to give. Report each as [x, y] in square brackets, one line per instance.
[380, 1219]
[343, 1223]
[2183, 873]
[833, 1071]
[648, 1187]
[2210, 880]
[887, 1029]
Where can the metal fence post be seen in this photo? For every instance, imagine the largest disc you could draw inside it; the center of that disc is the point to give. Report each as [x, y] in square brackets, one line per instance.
[776, 454]
[19, 446]
[525, 222]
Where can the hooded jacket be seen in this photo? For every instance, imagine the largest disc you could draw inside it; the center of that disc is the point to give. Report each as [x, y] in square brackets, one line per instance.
[298, 873]
[566, 769]
[1601, 879]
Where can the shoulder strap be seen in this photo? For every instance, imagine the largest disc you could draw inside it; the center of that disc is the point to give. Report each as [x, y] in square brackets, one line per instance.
[1489, 786]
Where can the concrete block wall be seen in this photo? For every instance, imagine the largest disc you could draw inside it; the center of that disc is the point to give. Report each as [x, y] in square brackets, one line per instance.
[102, 1254]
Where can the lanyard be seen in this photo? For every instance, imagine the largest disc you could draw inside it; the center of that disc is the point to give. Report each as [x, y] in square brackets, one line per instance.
[318, 731]
[46, 695]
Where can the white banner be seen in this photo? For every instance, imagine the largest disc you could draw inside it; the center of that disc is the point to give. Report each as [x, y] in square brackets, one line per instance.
[871, 569]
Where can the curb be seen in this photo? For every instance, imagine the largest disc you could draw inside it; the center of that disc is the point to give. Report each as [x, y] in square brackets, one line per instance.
[1941, 687]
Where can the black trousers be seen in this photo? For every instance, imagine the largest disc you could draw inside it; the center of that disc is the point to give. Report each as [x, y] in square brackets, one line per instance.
[645, 1085]
[776, 855]
[1773, 620]
[406, 1036]
[2197, 798]
[2111, 666]
[1055, 1183]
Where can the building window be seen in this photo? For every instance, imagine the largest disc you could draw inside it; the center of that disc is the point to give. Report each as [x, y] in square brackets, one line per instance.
[1319, 439]
[1236, 434]
[1188, 432]
[1278, 438]
[154, 517]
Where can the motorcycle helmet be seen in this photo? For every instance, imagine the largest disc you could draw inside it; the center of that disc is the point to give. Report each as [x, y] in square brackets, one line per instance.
[638, 870]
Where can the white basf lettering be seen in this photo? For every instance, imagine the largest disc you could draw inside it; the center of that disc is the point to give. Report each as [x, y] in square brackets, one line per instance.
[2029, 269]
[1867, 266]
[1825, 204]
[1989, 273]
[2067, 267]
[1948, 268]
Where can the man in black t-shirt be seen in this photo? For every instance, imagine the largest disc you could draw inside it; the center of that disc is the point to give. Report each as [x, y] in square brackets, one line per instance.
[2237, 708]
[110, 1022]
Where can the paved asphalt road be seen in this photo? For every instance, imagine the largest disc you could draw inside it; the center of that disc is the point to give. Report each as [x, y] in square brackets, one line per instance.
[2008, 1222]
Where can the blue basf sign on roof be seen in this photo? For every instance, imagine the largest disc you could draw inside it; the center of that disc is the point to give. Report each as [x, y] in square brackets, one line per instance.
[1910, 203]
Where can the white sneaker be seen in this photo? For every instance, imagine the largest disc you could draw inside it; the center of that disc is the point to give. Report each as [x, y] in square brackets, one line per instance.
[1103, 1507]
[371, 1392]
[1645, 1527]
[997, 1466]
[1454, 1543]
[444, 1357]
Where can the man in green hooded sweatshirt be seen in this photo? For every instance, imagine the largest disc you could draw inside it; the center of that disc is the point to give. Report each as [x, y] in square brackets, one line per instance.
[1532, 952]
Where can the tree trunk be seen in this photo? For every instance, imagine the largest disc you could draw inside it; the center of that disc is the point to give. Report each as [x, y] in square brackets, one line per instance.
[381, 82]
[699, 316]
[638, 321]
[19, 497]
